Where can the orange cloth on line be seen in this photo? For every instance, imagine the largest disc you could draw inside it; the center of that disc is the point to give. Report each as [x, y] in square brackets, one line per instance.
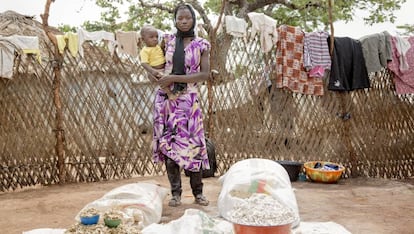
[128, 42]
[290, 72]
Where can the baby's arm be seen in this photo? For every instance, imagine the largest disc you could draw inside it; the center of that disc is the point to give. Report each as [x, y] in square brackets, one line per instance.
[153, 74]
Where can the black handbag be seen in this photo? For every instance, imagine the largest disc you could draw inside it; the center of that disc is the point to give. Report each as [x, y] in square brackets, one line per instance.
[211, 153]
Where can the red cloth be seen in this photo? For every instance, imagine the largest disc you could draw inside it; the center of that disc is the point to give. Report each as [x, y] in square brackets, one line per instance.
[290, 72]
[403, 80]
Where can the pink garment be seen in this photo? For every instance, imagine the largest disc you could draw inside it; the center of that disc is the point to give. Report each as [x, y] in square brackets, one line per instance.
[403, 79]
[317, 71]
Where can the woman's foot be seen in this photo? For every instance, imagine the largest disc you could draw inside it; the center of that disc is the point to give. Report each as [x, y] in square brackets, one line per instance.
[201, 200]
[175, 201]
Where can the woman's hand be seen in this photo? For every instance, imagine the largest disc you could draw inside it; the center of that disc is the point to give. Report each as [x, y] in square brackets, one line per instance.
[165, 81]
[156, 74]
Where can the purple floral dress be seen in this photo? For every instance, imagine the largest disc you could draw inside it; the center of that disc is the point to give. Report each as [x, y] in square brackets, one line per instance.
[178, 122]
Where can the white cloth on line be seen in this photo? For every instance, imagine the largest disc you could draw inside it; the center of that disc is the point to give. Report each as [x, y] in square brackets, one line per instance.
[8, 45]
[6, 58]
[84, 35]
[236, 27]
[267, 27]
[403, 45]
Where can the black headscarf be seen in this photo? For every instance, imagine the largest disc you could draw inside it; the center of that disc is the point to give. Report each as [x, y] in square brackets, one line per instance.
[179, 55]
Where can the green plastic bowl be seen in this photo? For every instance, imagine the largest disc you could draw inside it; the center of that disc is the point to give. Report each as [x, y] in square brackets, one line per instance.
[112, 223]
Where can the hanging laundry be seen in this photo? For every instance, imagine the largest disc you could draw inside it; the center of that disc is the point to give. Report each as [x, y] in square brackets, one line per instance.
[402, 45]
[61, 43]
[96, 36]
[127, 42]
[267, 27]
[73, 43]
[69, 40]
[235, 26]
[6, 58]
[316, 53]
[290, 72]
[16, 43]
[28, 44]
[403, 78]
[377, 51]
[348, 70]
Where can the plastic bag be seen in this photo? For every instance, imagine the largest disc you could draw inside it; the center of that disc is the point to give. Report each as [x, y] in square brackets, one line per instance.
[320, 228]
[45, 231]
[256, 176]
[193, 221]
[140, 203]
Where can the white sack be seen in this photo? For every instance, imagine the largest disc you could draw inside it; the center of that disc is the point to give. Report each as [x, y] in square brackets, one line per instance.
[141, 203]
[46, 231]
[193, 221]
[320, 228]
[256, 176]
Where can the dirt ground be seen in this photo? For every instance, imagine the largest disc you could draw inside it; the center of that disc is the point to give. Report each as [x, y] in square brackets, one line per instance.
[360, 205]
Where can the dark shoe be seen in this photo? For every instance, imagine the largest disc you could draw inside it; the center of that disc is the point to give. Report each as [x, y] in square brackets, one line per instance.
[175, 201]
[201, 200]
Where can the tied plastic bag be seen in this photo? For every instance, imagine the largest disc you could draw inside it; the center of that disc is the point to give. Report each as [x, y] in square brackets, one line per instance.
[140, 203]
[256, 175]
[193, 221]
[320, 228]
[46, 231]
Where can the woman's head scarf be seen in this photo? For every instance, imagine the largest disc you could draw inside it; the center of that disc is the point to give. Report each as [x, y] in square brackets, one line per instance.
[178, 57]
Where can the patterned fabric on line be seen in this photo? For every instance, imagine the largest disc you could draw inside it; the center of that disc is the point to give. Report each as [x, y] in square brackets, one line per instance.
[290, 72]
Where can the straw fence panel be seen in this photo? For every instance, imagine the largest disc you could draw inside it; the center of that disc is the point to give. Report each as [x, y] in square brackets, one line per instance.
[26, 129]
[107, 109]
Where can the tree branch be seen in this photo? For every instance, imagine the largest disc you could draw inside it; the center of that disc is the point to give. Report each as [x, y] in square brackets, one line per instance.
[207, 23]
[250, 6]
[223, 6]
[155, 5]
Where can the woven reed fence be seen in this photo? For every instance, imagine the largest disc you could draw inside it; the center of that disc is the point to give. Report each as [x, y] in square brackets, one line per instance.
[107, 110]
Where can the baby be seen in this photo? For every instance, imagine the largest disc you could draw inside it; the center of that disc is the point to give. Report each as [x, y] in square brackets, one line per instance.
[152, 55]
[153, 59]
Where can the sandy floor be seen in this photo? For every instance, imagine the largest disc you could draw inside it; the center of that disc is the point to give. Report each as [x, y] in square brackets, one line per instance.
[360, 205]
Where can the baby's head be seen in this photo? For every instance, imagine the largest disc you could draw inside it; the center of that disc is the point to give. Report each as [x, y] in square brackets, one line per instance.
[149, 35]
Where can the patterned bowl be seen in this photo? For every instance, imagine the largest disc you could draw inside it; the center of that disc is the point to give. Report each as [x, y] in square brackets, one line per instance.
[324, 172]
[112, 223]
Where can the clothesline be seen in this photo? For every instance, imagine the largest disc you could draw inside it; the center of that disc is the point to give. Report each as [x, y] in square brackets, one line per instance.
[302, 57]
[380, 50]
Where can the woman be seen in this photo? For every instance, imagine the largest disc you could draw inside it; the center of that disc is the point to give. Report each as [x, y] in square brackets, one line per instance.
[178, 124]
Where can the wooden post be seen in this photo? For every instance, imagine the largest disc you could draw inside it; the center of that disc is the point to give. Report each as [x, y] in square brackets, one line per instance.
[330, 6]
[57, 63]
[210, 96]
